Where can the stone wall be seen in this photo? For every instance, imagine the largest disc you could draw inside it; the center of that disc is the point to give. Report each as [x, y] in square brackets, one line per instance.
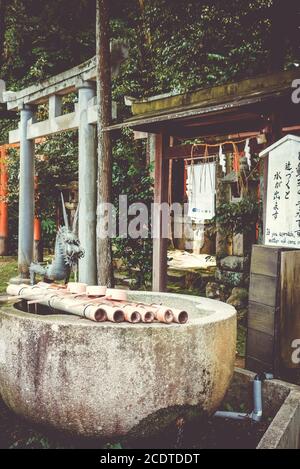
[231, 282]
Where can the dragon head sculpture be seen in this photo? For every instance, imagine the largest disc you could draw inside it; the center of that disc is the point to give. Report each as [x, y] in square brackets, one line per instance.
[67, 252]
[69, 239]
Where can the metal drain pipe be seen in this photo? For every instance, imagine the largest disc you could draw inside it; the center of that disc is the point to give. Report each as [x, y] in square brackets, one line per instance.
[257, 413]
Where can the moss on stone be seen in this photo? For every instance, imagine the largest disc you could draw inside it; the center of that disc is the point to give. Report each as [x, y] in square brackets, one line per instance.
[164, 418]
[217, 94]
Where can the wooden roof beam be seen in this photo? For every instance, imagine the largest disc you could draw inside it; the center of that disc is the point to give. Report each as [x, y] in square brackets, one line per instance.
[215, 95]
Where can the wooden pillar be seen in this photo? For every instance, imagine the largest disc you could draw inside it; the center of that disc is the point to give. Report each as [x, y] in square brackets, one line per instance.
[273, 132]
[160, 240]
[150, 153]
[37, 228]
[3, 203]
[38, 243]
[26, 195]
[222, 196]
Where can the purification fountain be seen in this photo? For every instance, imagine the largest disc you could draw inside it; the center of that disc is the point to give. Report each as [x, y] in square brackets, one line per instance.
[106, 379]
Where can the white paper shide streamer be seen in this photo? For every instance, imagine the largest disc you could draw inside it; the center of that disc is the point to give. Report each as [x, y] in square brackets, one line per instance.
[222, 159]
[247, 153]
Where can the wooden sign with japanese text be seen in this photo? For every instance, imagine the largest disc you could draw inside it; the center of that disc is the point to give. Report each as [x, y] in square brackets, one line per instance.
[282, 211]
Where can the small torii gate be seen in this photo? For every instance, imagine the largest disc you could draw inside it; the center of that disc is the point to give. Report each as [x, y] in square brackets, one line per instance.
[80, 79]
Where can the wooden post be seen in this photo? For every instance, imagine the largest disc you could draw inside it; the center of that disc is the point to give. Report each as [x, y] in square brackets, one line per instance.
[37, 228]
[160, 243]
[275, 127]
[222, 196]
[38, 242]
[104, 250]
[3, 203]
[150, 156]
[273, 316]
[274, 133]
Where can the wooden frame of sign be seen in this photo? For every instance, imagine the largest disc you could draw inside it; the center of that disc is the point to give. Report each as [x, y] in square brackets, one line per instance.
[273, 334]
[282, 193]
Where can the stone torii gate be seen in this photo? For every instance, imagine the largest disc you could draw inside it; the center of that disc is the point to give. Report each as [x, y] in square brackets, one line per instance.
[80, 79]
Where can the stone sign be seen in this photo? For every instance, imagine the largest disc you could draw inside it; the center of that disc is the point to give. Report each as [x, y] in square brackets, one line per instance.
[282, 200]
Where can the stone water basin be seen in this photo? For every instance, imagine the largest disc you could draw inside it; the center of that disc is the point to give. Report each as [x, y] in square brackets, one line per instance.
[107, 380]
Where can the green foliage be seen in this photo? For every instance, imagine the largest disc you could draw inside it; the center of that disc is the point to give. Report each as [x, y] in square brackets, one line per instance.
[48, 226]
[183, 45]
[39, 42]
[56, 166]
[12, 198]
[8, 269]
[238, 217]
[174, 46]
[33, 442]
[5, 126]
[131, 177]
[113, 446]
[49, 230]
[241, 340]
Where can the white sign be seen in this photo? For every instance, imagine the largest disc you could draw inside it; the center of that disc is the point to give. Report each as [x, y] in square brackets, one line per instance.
[283, 194]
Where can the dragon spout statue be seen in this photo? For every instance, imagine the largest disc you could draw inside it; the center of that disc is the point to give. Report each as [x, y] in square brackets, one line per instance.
[66, 254]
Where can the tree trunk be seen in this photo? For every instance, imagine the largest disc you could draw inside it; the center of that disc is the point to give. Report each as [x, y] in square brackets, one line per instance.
[295, 29]
[285, 23]
[145, 61]
[104, 247]
[278, 43]
[2, 29]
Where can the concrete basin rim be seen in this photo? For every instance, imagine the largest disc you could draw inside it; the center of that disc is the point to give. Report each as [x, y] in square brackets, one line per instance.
[217, 312]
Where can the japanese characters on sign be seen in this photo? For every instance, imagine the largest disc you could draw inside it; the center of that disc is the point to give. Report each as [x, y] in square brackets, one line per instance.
[283, 195]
